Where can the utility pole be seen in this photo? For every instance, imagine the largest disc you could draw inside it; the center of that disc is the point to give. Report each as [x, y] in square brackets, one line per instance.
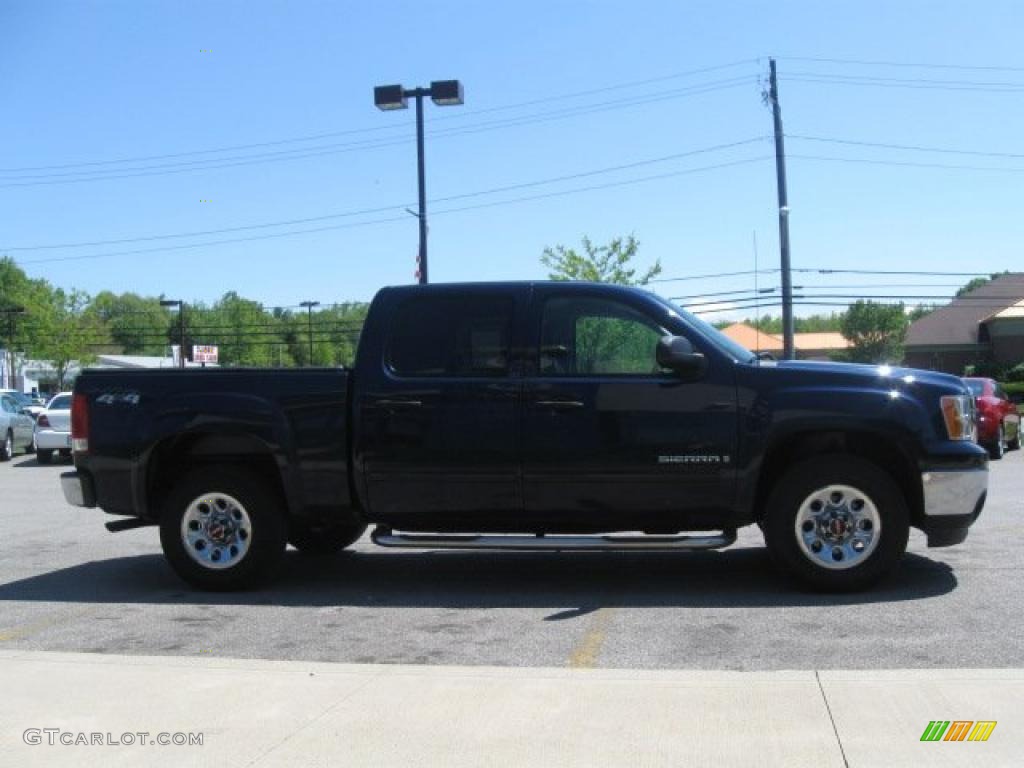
[780, 175]
[422, 183]
[309, 307]
[12, 313]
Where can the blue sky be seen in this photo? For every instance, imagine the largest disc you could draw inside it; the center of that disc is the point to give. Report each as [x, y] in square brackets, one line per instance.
[96, 82]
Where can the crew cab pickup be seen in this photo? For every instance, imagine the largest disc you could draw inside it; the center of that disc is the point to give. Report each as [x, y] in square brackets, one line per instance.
[525, 416]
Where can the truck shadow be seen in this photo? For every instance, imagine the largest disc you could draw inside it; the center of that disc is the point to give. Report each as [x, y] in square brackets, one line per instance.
[445, 579]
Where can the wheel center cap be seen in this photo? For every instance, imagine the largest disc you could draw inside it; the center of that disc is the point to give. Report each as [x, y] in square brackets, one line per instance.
[219, 530]
[837, 526]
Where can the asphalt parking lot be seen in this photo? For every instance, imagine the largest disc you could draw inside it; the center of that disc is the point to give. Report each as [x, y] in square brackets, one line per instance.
[66, 584]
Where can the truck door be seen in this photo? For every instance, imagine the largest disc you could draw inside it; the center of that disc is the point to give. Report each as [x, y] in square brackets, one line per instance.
[609, 438]
[437, 426]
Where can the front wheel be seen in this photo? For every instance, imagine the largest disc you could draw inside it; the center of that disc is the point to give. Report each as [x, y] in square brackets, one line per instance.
[7, 447]
[838, 523]
[221, 528]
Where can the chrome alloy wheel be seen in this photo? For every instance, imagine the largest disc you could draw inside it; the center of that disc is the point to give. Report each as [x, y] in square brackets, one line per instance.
[838, 527]
[216, 531]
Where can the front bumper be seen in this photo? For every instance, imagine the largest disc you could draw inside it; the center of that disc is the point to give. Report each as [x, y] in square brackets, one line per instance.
[78, 489]
[953, 499]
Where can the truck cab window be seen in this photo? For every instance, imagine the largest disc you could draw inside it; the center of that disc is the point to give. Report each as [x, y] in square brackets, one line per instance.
[440, 336]
[590, 336]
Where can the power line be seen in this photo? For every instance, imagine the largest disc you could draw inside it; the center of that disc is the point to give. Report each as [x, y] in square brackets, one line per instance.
[913, 83]
[526, 198]
[907, 164]
[907, 64]
[384, 209]
[307, 152]
[460, 114]
[906, 147]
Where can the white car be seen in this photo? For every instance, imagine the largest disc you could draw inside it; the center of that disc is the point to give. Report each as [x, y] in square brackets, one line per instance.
[15, 427]
[53, 428]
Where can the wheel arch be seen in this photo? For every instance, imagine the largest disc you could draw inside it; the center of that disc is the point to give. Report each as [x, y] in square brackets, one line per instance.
[884, 453]
[173, 457]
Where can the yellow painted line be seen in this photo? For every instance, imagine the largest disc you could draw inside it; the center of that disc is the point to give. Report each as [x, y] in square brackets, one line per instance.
[585, 654]
[18, 633]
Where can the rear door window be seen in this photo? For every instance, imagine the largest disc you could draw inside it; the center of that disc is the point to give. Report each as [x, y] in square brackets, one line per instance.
[440, 336]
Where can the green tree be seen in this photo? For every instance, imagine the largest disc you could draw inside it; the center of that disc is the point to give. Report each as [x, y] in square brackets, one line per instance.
[612, 263]
[137, 324]
[243, 331]
[977, 282]
[65, 333]
[876, 331]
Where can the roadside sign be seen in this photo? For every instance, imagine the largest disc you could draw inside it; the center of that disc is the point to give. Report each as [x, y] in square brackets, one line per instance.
[205, 354]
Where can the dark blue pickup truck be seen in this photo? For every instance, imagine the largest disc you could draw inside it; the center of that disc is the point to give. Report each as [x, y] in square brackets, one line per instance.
[556, 416]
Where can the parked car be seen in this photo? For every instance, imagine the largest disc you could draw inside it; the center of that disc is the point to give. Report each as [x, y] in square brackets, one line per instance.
[25, 401]
[532, 416]
[15, 427]
[998, 419]
[53, 429]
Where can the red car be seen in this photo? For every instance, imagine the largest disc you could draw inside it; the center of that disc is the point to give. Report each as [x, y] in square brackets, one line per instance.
[998, 420]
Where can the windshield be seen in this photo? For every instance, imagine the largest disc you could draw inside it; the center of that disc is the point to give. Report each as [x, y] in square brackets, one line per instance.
[730, 347]
[976, 386]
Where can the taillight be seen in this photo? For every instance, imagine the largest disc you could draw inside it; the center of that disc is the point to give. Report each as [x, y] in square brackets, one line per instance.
[80, 423]
[42, 421]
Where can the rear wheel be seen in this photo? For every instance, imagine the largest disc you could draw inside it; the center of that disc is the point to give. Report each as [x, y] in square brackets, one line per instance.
[837, 522]
[312, 540]
[222, 528]
[44, 457]
[1014, 445]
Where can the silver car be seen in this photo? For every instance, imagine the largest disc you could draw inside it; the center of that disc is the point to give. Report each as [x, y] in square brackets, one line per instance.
[53, 428]
[15, 428]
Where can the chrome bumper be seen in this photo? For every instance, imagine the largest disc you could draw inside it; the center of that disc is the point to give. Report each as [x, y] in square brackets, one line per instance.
[953, 492]
[77, 490]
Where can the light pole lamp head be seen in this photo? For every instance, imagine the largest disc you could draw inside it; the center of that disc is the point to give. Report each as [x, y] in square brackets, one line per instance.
[388, 97]
[446, 93]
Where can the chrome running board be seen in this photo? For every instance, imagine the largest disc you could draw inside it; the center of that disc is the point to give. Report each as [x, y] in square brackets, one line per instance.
[385, 537]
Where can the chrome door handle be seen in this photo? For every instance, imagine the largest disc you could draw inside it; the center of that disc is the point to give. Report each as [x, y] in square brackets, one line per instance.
[560, 403]
[399, 403]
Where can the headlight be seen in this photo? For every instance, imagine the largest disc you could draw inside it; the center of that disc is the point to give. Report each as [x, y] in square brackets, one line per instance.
[958, 413]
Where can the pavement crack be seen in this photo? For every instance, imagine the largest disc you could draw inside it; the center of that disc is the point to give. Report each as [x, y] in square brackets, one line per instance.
[315, 719]
[835, 729]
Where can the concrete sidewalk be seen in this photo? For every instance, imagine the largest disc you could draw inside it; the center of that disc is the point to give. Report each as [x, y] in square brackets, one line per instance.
[275, 713]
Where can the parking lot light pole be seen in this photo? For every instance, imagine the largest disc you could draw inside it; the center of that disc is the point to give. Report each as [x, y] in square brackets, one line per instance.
[309, 308]
[12, 313]
[181, 326]
[444, 93]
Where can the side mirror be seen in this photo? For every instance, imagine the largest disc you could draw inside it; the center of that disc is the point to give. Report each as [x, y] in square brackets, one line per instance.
[677, 354]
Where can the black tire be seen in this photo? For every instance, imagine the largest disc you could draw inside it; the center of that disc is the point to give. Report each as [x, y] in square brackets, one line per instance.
[7, 447]
[797, 487]
[997, 449]
[310, 540]
[44, 457]
[261, 531]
